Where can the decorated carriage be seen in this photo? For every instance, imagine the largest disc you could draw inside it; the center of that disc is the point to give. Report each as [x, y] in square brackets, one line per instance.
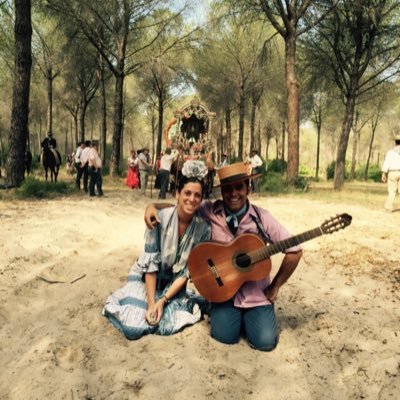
[189, 132]
[189, 128]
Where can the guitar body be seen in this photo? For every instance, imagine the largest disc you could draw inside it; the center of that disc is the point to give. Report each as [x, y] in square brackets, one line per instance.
[218, 270]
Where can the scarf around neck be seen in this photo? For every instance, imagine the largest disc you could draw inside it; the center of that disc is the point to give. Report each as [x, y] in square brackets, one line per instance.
[232, 217]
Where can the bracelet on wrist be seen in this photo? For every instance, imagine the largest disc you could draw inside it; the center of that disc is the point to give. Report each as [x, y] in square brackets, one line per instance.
[167, 300]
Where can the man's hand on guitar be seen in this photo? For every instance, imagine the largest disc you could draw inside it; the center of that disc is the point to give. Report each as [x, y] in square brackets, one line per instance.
[271, 293]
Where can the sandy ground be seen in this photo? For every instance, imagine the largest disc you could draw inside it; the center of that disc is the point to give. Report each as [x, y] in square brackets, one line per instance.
[339, 314]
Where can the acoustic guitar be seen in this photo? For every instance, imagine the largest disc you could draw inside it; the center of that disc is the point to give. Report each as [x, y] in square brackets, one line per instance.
[218, 270]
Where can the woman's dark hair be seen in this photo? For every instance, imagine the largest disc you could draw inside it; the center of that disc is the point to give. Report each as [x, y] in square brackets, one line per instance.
[184, 180]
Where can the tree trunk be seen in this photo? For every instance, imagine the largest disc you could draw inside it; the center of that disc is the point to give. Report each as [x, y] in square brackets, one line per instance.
[293, 112]
[160, 124]
[1, 154]
[154, 128]
[49, 78]
[283, 141]
[318, 151]
[118, 110]
[340, 167]
[228, 126]
[39, 135]
[103, 112]
[318, 123]
[356, 138]
[20, 102]
[66, 143]
[374, 124]
[82, 114]
[241, 123]
[221, 141]
[76, 129]
[253, 125]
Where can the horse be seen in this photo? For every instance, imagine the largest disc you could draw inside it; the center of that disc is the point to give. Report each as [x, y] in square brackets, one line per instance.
[50, 161]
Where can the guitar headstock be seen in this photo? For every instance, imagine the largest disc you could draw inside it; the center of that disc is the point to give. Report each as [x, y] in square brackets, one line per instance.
[336, 223]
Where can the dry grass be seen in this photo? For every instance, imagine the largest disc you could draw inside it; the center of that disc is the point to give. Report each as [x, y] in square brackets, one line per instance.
[369, 194]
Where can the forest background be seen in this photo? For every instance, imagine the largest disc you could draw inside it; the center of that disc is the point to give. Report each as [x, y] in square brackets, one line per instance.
[311, 84]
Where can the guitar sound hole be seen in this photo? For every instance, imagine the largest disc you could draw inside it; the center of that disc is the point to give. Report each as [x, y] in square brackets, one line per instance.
[243, 260]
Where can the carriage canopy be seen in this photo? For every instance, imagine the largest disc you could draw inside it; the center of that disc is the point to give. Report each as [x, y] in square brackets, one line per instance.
[190, 127]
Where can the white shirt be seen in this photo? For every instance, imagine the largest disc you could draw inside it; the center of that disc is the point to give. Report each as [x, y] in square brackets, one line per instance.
[85, 155]
[78, 154]
[94, 159]
[255, 161]
[132, 162]
[167, 160]
[392, 160]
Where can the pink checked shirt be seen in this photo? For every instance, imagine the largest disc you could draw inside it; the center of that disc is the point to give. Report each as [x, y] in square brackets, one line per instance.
[251, 294]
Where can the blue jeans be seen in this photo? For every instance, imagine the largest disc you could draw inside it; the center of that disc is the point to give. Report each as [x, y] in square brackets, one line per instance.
[164, 181]
[258, 323]
[95, 180]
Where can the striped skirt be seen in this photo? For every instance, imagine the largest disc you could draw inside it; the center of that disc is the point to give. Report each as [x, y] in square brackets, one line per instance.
[126, 310]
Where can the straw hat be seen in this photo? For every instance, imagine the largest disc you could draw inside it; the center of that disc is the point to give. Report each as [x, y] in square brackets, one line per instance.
[233, 173]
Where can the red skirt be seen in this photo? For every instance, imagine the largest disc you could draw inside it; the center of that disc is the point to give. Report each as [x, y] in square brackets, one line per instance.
[132, 179]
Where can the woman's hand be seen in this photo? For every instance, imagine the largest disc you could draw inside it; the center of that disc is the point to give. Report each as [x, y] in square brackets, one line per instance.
[155, 312]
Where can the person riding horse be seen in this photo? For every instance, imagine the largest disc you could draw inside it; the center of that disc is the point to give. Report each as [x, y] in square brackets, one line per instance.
[50, 157]
[49, 141]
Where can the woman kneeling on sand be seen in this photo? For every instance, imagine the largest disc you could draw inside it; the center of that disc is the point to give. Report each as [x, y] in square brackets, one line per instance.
[155, 300]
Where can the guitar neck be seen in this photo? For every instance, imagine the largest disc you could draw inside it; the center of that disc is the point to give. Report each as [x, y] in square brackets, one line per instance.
[271, 249]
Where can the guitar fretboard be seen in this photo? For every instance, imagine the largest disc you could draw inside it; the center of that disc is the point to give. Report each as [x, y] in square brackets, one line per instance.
[271, 249]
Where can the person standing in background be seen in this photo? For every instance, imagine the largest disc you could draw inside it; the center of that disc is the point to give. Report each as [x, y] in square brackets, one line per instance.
[165, 170]
[77, 160]
[255, 163]
[224, 161]
[94, 167]
[144, 163]
[391, 173]
[132, 179]
[84, 164]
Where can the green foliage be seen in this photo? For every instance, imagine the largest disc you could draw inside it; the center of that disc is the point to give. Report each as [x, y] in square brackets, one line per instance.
[330, 170]
[277, 165]
[304, 171]
[302, 182]
[35, 163]
[374, 173]
[273, 182]
[33, 188]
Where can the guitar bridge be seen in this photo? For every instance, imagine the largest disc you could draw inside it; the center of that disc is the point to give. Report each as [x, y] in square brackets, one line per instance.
[215, 272]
